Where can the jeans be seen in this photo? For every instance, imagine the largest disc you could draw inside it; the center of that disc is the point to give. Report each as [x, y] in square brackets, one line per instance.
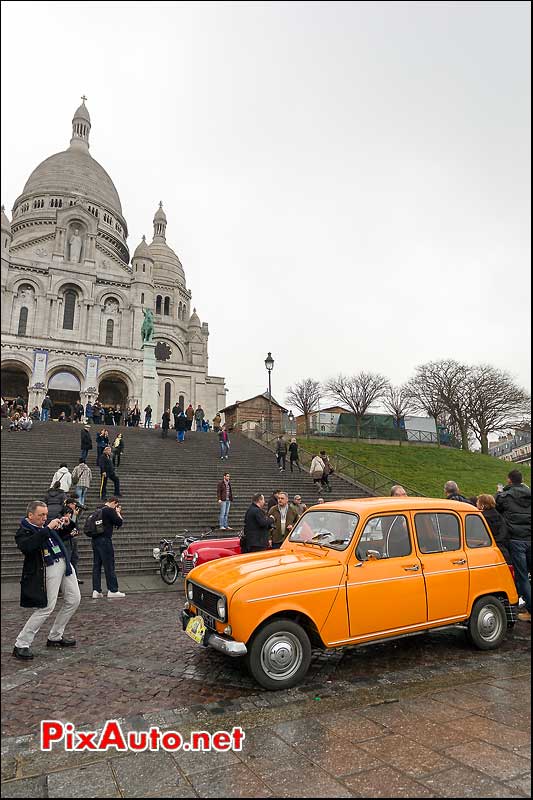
[224, 512]
[198, 425]
[81, 491]
[55, 579]
[84, 454]
[148, 421]
[180, 436]
[45, 414]
[281, 458]
[224, 449]
[520, 550]
[103, 485]
[104, 555]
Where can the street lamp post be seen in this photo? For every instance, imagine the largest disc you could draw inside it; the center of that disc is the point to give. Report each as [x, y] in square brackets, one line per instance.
[269, 364]
[290, 417]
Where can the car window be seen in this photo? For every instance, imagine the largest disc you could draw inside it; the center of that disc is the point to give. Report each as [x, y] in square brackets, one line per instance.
[476, 533]
[330, 528]
[388, 535]
[437, 533]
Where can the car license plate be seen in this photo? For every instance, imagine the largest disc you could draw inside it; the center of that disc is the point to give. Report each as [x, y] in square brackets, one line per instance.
[196, 629]
[209, 621]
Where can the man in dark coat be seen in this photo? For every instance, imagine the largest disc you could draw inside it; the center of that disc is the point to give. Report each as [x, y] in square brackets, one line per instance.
[165, 423]
[46, 569]
[256, 526]
[107, 470]
[86, 442]
[175, 413]
[514, 504]
[281, 453]
[181, 426]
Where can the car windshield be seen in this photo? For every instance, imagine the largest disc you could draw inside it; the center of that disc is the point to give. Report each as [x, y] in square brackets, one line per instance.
[327, 528]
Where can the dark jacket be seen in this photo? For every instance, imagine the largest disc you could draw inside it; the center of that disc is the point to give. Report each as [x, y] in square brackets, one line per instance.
[459, 497]
[30, 541]
[293, 451]
[498, 528]
[101, 441]
[281, 447]
[256, 528]
[106, 465]
[47, 403]
[181, 424]
[86, 441]
[221, 491]
[110, 520]
[292, 519]
[55, 500]
[514, 504]
[165, 421]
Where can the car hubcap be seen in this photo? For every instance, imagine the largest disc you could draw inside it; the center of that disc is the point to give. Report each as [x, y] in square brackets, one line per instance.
[489, 623]
[281, 656]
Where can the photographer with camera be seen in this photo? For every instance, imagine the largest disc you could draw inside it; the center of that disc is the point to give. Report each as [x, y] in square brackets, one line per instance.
[103, 550]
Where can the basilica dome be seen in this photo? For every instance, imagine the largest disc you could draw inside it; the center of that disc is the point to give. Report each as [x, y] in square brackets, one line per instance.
[167, 264]
[74, 172]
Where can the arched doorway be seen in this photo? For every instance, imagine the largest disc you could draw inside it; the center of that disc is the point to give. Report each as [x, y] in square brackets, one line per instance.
[64, 390]
[14, 379]
[113, 391]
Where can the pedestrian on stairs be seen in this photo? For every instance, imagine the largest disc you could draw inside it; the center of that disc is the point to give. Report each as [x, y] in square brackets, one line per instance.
[281, 453]
[46, 407]
[86, 442]
[46, 569]
[165, 423]
[189, 413]
[107, 470]
[328, 470]
[224, 442]
[181, 427]
[118, 450]
[225, 499]
[316, 470]
[63, 476]
[199, 415]
[294, 458]
[175, 413]
[148, 416]
[81, 480]
[102, 440]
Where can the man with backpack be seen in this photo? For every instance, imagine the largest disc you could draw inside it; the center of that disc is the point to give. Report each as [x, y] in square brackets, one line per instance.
[99, 528]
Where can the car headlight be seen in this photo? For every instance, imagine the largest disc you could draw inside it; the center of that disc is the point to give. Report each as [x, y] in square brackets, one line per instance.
[189, 591]
[195, 558]
[221, 607]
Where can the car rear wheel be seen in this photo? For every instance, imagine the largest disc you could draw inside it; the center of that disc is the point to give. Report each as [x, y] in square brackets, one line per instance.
[487, 625]
[279, 654]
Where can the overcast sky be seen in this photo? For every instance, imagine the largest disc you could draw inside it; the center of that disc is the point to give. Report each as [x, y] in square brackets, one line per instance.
[347, 185]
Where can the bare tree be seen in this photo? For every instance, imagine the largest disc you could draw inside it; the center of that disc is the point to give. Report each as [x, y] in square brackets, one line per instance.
[446, 386]
[305, 396]
[358, 392]
[425, 395]
[398, 403]
[496, 402]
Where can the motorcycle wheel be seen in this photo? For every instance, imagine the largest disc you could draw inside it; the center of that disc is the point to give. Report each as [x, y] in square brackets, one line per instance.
[168, 569]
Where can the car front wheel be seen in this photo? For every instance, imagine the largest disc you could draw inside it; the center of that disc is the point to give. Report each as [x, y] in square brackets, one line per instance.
[487, 625]
[279, 654]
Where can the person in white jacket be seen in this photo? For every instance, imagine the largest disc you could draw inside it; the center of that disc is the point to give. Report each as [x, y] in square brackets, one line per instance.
[64, 477]
[316, 470]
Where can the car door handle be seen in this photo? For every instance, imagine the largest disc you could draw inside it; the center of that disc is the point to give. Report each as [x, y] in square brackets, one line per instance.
[460, 561]
[414, 568]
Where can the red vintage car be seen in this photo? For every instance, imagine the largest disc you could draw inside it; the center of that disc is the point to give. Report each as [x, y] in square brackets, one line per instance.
[203, 550]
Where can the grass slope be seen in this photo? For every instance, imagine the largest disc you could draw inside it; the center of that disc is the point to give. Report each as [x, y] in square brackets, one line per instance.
[424, 468]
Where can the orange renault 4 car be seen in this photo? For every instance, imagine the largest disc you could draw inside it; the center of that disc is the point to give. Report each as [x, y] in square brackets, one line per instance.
[353, 572]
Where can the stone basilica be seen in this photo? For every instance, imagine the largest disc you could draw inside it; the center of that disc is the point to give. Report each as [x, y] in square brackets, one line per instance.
[73, 302]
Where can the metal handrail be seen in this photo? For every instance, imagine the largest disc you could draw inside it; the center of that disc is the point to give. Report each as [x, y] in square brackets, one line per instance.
[371, 480]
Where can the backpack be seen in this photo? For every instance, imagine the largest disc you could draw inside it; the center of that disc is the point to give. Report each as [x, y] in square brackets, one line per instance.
[94, 524]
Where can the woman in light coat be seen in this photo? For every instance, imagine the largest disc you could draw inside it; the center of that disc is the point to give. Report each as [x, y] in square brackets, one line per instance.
[316, 470]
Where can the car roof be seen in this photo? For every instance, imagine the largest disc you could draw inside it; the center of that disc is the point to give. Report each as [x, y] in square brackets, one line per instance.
[370, 505]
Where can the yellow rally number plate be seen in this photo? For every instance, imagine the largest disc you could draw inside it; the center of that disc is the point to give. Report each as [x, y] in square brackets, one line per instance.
[196, 629]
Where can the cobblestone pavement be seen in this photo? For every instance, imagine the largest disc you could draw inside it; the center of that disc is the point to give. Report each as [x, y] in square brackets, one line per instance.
[421, 717]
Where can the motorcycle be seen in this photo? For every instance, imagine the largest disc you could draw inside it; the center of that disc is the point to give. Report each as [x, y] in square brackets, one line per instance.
[169, 556]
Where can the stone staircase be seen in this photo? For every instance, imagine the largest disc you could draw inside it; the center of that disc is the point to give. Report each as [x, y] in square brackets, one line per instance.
[167, 487]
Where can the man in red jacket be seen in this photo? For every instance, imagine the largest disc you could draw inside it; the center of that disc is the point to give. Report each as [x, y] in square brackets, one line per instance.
[225, 499]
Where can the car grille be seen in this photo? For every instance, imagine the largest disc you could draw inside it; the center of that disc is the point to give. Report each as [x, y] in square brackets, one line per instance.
[204, 599]
[187, 565]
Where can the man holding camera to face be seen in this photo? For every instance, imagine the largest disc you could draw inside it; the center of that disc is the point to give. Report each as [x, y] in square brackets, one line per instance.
[46, 570]
[103, 551]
